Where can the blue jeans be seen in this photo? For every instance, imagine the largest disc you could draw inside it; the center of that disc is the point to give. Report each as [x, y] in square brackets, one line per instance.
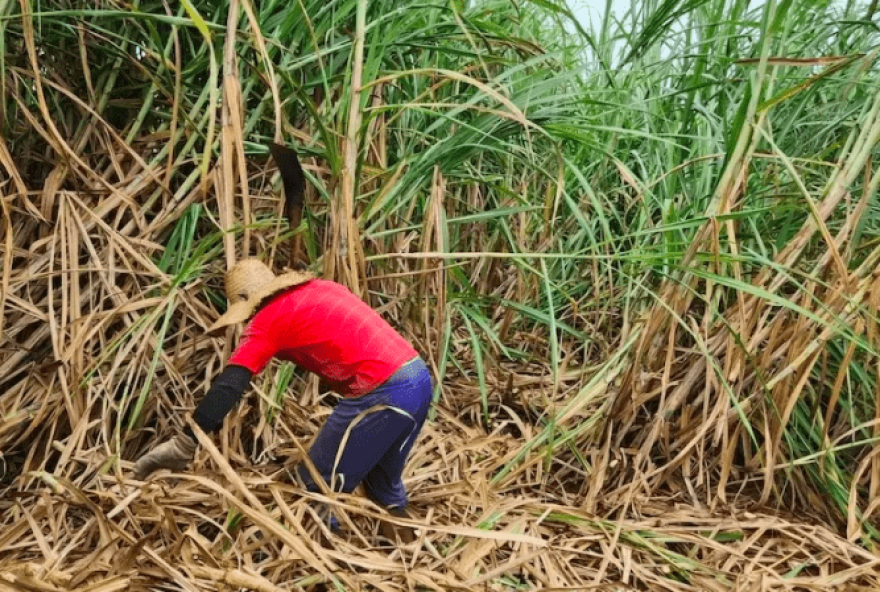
[379, 441]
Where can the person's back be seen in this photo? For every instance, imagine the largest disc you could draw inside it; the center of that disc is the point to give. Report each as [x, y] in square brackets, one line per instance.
[323, 327]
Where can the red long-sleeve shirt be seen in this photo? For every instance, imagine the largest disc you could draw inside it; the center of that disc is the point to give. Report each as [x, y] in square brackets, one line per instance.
[323, 327]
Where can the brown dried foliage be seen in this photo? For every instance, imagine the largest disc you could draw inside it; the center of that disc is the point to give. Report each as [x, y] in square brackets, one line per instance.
[82, 303]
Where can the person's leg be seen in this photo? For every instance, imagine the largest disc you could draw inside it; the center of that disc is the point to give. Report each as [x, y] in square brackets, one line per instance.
[384, 481]
[368, 439]
[366, 443]
[403, 404]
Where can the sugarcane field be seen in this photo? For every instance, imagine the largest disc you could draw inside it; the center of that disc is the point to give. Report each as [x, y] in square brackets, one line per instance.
[471, 295]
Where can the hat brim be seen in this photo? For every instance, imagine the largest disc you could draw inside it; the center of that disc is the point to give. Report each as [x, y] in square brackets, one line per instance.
[244, 309]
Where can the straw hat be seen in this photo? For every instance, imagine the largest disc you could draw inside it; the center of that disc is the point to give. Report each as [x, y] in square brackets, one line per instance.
[248, 283]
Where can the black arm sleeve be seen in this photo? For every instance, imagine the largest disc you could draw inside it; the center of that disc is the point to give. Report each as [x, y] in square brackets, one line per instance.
[224, 394]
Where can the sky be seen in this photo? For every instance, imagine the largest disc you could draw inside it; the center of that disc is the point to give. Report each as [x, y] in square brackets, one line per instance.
[587, 9]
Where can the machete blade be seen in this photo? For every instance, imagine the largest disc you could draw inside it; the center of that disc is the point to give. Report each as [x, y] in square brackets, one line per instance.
[294, 192]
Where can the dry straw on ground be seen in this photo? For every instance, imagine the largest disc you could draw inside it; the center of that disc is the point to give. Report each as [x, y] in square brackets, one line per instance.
[238, 524]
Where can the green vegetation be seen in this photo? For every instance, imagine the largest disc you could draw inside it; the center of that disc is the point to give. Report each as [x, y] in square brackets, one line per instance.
[647, 244]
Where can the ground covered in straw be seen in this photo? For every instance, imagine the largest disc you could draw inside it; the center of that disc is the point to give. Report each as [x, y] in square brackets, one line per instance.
[237, 521]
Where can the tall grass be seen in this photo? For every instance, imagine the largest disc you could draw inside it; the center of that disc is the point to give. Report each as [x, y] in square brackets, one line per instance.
[665, 224]
[738, 191]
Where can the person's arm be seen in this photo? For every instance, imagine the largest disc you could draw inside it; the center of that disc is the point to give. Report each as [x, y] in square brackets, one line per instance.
[178, 452]
[223, 395]
[253, 353]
